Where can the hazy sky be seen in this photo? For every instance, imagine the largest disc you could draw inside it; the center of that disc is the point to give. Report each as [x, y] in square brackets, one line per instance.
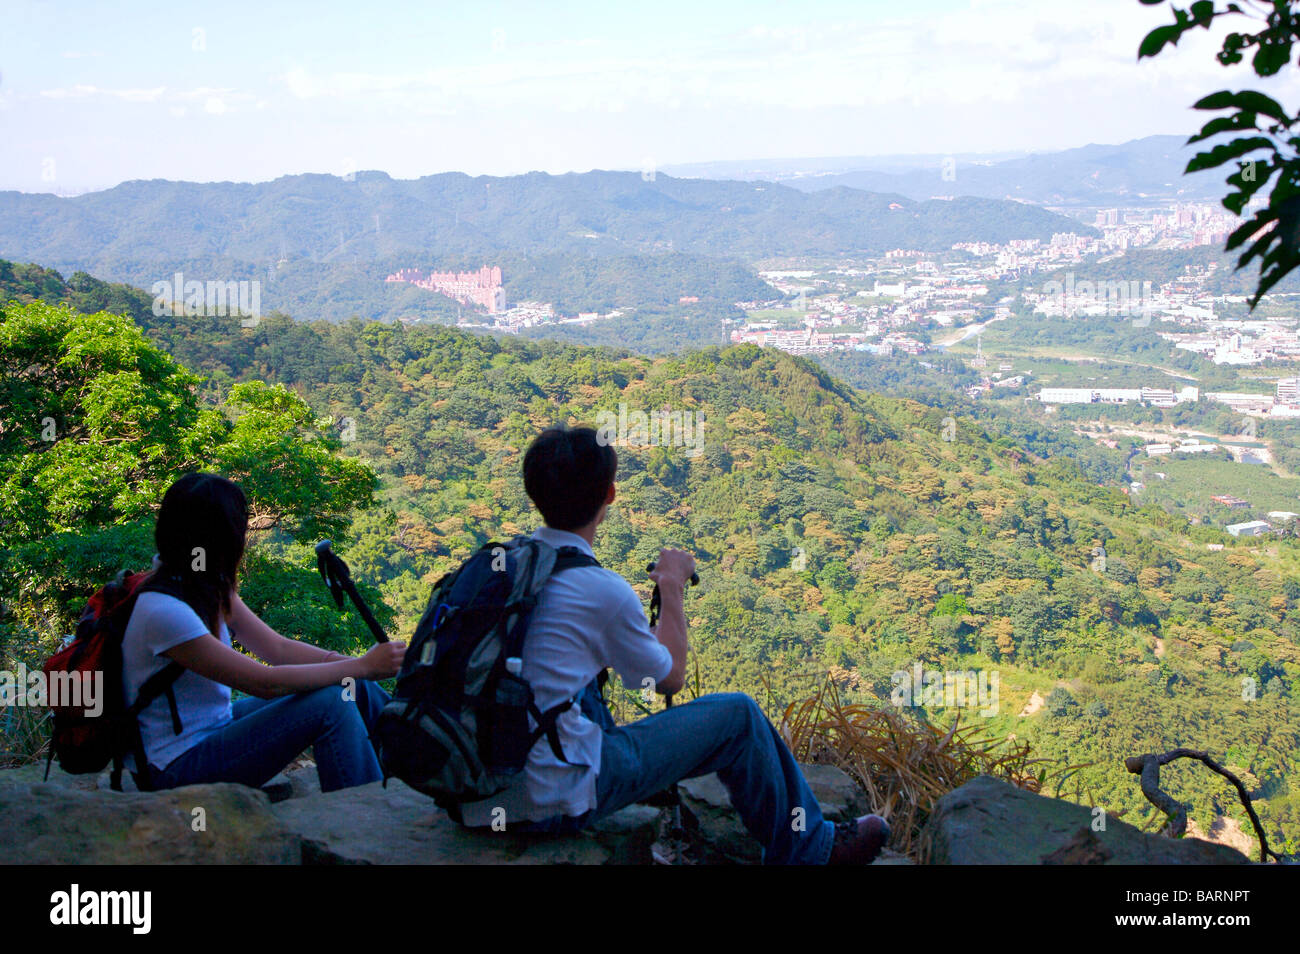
[95, 93]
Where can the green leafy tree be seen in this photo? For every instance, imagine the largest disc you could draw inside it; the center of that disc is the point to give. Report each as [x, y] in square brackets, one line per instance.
[287, 461]
[1263, 145]
[1061, 704]
[96, 421]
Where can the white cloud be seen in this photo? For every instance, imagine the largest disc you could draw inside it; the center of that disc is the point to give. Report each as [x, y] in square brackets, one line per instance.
[82, 91]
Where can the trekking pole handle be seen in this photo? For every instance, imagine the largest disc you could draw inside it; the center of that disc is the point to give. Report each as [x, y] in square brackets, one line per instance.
[695, 577]
[325, 558]
[339, 579]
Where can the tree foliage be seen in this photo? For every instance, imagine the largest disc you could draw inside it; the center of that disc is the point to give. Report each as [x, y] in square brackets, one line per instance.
[1262, 146]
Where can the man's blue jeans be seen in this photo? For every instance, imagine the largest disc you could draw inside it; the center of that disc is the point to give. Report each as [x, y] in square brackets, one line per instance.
[267, 734]
[725, 733]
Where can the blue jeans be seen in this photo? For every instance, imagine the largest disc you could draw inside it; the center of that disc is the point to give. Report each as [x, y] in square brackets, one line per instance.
[725, 733]
[267, 734]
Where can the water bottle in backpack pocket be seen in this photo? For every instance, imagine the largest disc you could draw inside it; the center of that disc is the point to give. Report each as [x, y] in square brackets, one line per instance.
[506, 727]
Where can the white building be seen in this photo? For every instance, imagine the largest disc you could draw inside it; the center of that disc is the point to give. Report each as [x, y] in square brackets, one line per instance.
[1241, 402]
[1252, 528]
[1161, 397]
[1167, 397]
[1066, 395]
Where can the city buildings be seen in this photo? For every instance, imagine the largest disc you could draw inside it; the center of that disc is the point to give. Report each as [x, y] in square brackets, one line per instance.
[481, 288]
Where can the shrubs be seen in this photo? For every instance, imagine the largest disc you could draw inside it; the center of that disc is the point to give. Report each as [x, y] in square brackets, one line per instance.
[1061, 704]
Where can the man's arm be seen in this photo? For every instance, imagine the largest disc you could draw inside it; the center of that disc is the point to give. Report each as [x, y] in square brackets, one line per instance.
[672, 571]
[671, 632]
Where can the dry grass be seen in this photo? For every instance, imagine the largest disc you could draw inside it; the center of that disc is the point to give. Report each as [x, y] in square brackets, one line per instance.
[25, 730]
[903, 764]
[24, 735]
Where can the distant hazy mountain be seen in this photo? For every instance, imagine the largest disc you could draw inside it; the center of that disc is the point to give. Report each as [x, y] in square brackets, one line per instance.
[1137, 172]
[786, 171]
[325, 218]
[322, 244]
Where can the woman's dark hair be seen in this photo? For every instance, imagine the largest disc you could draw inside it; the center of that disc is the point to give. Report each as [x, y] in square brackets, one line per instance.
[567, 474]
[202, 527]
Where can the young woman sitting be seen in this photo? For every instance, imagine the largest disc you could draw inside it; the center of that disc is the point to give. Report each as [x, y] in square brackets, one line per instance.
[302, 696]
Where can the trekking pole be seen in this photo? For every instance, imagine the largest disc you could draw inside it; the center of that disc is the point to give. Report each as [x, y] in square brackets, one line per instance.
[338, 578]
[675, 797]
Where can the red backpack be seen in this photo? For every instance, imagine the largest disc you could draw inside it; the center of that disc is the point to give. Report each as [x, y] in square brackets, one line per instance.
[84, 742]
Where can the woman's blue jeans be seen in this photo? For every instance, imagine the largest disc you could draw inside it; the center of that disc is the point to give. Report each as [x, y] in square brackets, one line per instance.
[267, 734]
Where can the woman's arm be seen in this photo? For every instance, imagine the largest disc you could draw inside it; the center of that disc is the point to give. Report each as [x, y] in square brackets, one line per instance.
[268, 645]
[209, 657]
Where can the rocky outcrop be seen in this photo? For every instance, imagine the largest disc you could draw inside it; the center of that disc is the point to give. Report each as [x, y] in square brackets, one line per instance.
[372, 824]
[989, 821]
[291, 821]
[62, 824]
[75, 819]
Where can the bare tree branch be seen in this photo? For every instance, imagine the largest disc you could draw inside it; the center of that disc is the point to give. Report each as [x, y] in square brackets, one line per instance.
[1148, 767]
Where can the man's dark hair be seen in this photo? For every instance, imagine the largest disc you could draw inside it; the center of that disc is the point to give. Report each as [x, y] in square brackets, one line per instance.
[567, 473]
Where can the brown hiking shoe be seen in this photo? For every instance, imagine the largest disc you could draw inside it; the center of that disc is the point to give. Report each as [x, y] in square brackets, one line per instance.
[858, 842]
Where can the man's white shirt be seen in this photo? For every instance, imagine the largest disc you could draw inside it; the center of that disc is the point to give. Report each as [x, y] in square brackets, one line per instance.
[586, 619]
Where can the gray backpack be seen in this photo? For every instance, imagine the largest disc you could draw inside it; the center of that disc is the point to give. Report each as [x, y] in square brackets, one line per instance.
[463, 720]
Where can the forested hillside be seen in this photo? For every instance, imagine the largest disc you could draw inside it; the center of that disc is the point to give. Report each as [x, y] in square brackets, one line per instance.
[835, 530]
[573, 283]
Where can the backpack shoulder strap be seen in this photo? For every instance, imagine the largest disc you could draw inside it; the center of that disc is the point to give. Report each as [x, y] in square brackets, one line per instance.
[155, 686]
[160, 582]
[543, 563]
[161, 681]
[567, 558]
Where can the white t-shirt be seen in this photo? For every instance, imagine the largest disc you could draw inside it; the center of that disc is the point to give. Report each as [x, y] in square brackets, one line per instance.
[158, 623]
[586, 619]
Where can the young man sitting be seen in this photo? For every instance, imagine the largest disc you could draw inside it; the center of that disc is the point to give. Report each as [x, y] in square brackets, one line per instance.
[589, 618]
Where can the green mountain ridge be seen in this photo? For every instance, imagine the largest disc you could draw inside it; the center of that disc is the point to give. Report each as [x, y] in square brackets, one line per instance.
[313, 216]
[587, 241]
